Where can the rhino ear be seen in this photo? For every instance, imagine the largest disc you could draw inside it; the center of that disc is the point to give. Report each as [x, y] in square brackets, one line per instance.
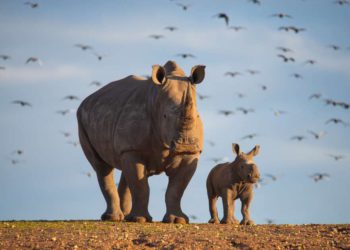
[158, 74]
[254, 151]
[197, 74]
[235, 149]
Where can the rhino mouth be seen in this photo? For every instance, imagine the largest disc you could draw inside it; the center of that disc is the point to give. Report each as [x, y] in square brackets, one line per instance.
[253, 179]
[185, 145]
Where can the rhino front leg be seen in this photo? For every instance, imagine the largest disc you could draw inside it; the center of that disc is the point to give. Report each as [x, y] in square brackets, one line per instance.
[105, 177]
[180, 173]
[125, 195]
[135, 174]
[245, 210]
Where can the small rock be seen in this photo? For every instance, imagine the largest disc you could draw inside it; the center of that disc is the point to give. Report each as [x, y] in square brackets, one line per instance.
[53, 238]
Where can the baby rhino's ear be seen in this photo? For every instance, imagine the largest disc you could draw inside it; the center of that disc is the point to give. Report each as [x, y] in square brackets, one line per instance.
[254, 151]
[235, 149]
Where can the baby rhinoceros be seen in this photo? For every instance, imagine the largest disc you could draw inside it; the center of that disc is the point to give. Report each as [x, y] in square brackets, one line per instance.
[231, 181]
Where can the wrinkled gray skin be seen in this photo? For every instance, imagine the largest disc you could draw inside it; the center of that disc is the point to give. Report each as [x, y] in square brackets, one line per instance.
[143, 127]
[232, 181]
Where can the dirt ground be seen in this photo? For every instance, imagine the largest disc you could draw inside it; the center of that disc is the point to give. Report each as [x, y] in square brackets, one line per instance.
[122, 235]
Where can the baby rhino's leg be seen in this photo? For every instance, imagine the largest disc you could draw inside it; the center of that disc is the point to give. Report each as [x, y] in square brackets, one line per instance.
[228, 203]
[212, 198]
[246, 200]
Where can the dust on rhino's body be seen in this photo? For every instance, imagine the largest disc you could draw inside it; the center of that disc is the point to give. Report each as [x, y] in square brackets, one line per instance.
[143, 127]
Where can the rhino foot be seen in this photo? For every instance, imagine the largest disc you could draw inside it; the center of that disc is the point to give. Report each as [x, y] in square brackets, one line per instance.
[229, 221]
[247, 222]
[138, 218]
[118, 216]
[214, 221]
[177, 219]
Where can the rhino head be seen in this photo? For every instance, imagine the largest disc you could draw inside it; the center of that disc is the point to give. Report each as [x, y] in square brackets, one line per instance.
[177, 121]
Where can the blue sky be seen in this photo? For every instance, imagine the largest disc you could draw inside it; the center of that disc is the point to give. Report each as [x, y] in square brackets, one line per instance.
[50, 180]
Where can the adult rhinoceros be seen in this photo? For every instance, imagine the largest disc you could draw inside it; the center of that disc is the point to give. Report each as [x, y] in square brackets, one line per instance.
[143, 127]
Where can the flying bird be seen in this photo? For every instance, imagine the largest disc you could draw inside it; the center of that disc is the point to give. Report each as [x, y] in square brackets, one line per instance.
[330, 102]
[240, 95]
[292, 28]
[232, 74]
[96, 83]
[22, 103]
[237, 28]
[156, 37]
[281, 15]
[249, 136]
[263, 87]
[183, 6]
[5, 57]
[99, 56]
[310, 61]
[74, 143]
[334, 47]
[71, 97]
[66, 134]
[319, 176]
[253, 72]
[185, 55]
[15, 161]
[83, 46]
[34, 60]
[211, 143]
[316, 96]
[341, 2]
[336, 157]
[258, 2]
[216, 160]
[285, 58]
[202, 97]
[32, 4]
[88, 174]
[317, 135]
[284, 49]
[343, 105]
[270, 221]
[223, 16]
[272, 177]
[171, 28]
[279, 112]
[337, 121]
[18, 152]
[297, 76]
[65, 111]
[226, 112]
[244, 110]
[298, 137]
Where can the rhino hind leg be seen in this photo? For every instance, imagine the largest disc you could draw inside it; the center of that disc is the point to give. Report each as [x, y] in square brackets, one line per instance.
[179, 177]
[105, 177]
[135, 173]
[124, 195]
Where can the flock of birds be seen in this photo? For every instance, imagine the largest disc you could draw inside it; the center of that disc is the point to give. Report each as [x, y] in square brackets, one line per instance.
[282, 53]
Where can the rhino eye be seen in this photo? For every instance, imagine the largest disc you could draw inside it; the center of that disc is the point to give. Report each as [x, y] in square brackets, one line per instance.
[164, 115]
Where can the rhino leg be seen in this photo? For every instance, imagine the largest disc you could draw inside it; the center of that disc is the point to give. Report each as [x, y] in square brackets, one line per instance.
[105, 179]
[135, 174]
[125, 195]
[179, 176]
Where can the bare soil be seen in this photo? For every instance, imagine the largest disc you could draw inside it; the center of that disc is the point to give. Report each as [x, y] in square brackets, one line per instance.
[122, 235]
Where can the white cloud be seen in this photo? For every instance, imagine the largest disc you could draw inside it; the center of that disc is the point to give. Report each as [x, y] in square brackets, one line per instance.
[37, 75]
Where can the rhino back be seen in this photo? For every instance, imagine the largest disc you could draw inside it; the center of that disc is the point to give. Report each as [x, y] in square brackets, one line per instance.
[117, 118]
